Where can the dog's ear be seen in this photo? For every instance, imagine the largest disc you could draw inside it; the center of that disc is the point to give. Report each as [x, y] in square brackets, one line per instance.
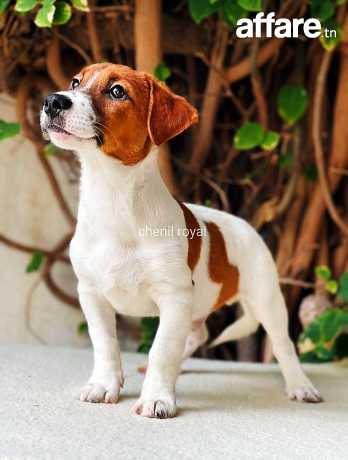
[168, 114]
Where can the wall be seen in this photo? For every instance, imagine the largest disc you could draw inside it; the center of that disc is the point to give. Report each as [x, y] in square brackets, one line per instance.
[30, 214]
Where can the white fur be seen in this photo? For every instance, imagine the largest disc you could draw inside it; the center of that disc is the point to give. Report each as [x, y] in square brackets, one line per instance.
[122, 269]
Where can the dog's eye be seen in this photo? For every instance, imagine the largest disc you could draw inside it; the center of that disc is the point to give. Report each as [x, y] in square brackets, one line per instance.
[118, 92]
[74, 83]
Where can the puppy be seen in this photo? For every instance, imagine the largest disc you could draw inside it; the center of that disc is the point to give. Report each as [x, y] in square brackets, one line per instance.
[138, 251]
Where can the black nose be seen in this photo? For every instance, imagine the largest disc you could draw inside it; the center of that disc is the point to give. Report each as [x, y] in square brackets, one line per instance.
[55, 103]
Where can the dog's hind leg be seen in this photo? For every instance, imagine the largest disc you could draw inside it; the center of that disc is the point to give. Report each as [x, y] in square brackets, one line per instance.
[199, 334]
[269, 309]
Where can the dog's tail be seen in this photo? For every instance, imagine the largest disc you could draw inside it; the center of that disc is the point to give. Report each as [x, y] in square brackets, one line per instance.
[243, 327]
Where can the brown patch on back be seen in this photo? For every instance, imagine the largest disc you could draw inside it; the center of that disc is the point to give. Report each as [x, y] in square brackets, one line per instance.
[194, 238]
[220, 269]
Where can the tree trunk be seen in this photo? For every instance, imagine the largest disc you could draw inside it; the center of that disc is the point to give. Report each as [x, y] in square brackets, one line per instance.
[309, 234]
[147, 28]
[211, 100]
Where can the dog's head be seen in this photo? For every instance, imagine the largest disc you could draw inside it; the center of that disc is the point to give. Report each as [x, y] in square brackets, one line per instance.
[120, 110]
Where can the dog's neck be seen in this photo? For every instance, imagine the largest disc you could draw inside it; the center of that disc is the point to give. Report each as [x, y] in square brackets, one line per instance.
[133, 196]
[96, 165]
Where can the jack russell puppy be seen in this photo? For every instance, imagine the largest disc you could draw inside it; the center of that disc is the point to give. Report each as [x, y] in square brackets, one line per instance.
[137, 251]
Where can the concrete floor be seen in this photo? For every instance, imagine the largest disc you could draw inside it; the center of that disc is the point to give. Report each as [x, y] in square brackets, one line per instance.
[227, 410]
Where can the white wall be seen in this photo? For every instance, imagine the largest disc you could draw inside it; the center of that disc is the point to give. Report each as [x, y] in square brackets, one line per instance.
[29, 214]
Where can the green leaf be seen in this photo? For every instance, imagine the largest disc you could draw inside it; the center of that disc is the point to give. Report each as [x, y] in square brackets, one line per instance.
[251, 5]
[144, 348]
[332, 323]
[3, 5]
[342, 346]
[292, 103]
[51, 150]
[249, 136]
[81, 5]
[324, 354]
[310, 357]
[45, 15]
[22, 6]
[285, 160]
[311, 173]
[331, 35]
[232, 12]
[323, 272]
[149, 328]
[82, 328]
[343, 287]
[162, 71]
[8, 129]
[322, 9]
[312, 332]
[200, 9]
[270, 141]
[35, 262]
[323, 334]
[62, 14]
[331, 286]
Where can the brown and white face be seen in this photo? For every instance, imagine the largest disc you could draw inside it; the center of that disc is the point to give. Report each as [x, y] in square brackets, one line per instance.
[119, 110]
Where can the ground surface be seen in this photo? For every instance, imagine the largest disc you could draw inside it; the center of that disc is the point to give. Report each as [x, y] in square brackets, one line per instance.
[227, 411]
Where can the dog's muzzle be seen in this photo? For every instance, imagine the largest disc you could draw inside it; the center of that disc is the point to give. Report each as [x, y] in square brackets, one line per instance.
[67, 119]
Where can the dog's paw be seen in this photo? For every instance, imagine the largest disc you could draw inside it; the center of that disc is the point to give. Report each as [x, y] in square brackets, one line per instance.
[95, 392]
[155, 408]
[305, 393]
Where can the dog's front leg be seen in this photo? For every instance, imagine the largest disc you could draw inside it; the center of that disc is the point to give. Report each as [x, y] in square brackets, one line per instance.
[158, 393]
[107, 376]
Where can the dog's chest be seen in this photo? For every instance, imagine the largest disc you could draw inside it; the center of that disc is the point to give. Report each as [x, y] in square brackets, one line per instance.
[113, 269]
[109, 251]
[103, 259]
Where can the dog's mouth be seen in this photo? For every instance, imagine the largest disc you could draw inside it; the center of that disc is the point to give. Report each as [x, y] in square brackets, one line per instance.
[58, 129]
